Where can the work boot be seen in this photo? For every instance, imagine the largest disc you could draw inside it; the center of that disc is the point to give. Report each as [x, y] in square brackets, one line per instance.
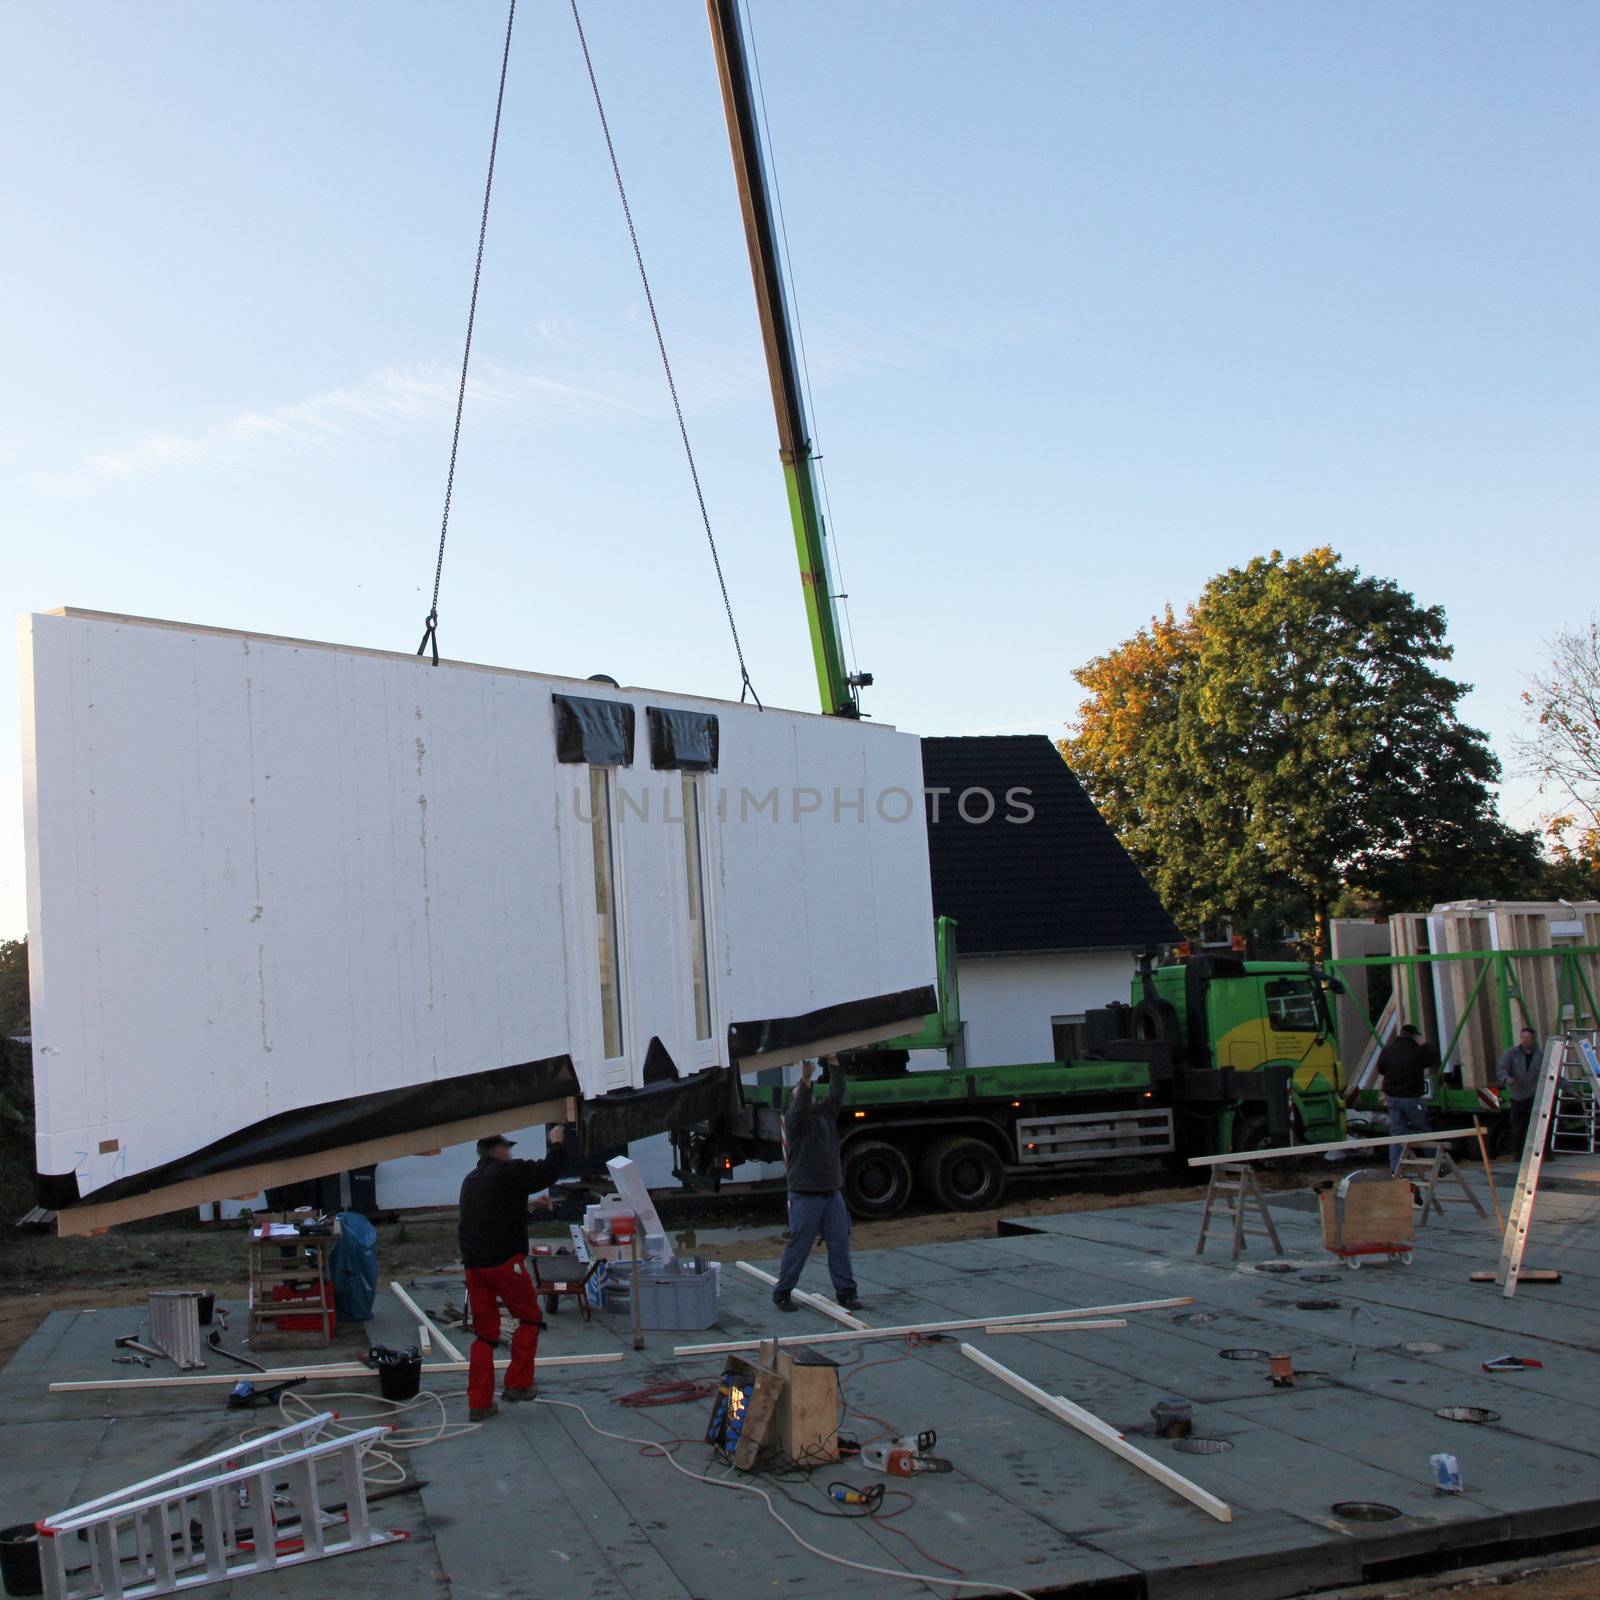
[849, 1300]
[518, 1396]
[482, 1413]
[784, 1303]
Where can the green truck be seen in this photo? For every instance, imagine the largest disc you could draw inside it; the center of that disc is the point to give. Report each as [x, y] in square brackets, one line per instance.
[1211, 1053]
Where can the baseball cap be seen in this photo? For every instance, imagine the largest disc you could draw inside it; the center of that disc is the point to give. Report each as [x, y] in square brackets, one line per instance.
[491, 1140]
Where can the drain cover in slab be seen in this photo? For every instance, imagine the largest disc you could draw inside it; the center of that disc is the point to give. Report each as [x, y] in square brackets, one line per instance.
[1365, 1511]
[1241, 1354]
[1467, 1414]
[1202, 1447]
[1316, 1305]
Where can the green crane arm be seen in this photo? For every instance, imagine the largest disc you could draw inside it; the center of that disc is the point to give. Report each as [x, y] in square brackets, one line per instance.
[836, 684]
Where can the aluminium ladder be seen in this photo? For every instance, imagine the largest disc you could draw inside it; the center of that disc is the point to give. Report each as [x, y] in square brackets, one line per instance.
[1520, 1217]
[1577, 1115]
[250, 1508]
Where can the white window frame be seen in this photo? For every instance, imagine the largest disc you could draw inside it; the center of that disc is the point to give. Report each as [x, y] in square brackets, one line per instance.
[607, 787]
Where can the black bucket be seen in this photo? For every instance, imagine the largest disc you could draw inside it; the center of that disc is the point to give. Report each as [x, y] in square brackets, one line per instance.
[399, 1372]
[19, 1559]
[206, 1304]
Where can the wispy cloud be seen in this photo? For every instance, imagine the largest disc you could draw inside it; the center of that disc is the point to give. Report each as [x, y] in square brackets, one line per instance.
[395, 399]
[580, 376]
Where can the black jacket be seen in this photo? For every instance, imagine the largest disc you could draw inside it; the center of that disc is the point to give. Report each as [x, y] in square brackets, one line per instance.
[1404, 1064]
[494, 1207]
[811, 1137]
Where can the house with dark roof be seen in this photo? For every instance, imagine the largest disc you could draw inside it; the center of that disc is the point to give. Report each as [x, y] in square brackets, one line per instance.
[1050, 910]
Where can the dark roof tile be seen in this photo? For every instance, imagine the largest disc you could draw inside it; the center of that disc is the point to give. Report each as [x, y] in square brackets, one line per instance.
[1057, 881]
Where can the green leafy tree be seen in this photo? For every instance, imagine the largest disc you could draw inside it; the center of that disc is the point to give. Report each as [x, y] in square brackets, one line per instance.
[1289, 742]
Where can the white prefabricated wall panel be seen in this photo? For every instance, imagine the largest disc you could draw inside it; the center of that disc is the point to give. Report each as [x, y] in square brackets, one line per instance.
[266, 874]
[1008, 1001]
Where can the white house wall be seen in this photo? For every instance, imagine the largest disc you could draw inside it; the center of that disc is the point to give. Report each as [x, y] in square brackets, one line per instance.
[266, 874]
[1008, 1001]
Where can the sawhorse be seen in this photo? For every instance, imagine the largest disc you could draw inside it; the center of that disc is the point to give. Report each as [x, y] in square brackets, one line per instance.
[1424, 1165]
[1233, 1184]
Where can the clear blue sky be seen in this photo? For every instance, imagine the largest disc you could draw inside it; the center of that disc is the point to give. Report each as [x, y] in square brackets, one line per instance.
[1099, 297]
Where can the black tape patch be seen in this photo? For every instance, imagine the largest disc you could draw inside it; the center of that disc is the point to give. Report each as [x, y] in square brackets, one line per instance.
[335, 1123]
[908, 1006]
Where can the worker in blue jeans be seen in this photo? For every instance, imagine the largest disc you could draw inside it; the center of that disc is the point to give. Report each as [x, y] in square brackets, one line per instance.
[816, 1179]
[1403, 1067]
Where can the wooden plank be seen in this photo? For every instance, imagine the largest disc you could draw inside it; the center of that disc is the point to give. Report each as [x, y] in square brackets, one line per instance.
[1526, 1275]
[817, 1303]
[313, 1374]
[1488, 1173]
[249, 1181]
[1060, 1326]
[1092, 1427]
[1322, 1149]
[425, 1321]
[760, 1427]
[1069, 1318]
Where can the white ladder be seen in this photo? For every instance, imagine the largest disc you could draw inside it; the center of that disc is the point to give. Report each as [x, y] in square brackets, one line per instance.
[224, 1517]
[1520, 1216]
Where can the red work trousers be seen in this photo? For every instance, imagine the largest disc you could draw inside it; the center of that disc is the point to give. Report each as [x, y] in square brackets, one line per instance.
[488, 1288]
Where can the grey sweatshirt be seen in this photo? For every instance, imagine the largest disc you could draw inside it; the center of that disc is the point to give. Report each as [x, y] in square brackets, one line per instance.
[1520, 1070]
[811, 1137]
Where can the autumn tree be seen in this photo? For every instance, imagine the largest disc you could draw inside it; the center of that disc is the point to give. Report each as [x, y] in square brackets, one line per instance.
[1562, 751]
[1288, 742]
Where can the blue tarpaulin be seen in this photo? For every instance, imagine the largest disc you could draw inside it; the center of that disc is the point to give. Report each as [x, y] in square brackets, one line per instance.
[354, 1267]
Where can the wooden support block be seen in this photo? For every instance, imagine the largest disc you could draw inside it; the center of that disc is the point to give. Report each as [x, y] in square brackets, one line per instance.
[1103, 1433]
[1527, 1275]
[808, 1419]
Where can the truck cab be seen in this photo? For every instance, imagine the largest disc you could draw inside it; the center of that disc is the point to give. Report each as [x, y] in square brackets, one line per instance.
[1237, 1027]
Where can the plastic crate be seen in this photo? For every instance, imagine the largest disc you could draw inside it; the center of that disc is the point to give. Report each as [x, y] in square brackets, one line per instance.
[678, 1295]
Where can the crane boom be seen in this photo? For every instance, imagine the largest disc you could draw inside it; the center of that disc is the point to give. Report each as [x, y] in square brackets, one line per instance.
[837, 686]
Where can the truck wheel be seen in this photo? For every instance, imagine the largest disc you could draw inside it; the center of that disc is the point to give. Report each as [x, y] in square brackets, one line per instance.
[1156, 1020]
[962, 1174]
[877, 1179]
[1250, 1133]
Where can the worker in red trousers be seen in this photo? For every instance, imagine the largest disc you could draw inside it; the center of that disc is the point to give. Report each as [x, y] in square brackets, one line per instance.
[494, 1250]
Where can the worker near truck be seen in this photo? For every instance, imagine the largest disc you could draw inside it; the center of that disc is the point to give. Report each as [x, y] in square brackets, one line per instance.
[816, 1182]
[1518, 1070]
[493, 1234]
[1403, 1067]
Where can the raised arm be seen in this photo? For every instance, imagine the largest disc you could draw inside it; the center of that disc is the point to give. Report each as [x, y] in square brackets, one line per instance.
[532, 1176]
[803, 1102]
[835, 1102]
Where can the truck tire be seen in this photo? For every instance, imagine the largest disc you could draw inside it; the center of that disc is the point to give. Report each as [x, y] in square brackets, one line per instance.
[877, 1178]
[961, 1173]
[1156, 1020]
